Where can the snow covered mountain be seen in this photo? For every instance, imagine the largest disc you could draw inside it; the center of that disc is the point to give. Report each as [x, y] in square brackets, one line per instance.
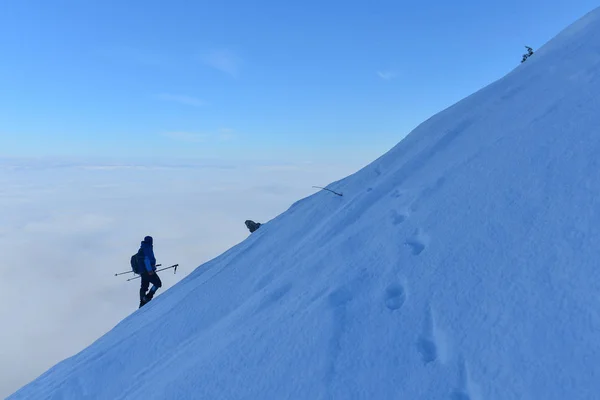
[462, 264]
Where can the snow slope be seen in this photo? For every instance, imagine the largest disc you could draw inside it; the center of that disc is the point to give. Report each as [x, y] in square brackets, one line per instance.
[463, 264]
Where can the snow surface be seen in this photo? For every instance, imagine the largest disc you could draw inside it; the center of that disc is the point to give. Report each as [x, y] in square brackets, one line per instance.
[463, 264]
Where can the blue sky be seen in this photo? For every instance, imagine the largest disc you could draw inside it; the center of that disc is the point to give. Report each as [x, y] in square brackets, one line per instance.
[264, 79]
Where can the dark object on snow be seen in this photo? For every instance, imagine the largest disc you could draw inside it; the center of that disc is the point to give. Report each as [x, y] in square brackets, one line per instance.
[252, 226]
[529, 54]
[329, 190]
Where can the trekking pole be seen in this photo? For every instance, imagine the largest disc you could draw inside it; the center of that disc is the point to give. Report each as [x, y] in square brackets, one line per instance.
[129, 272]
[329, 190]
[158, 270]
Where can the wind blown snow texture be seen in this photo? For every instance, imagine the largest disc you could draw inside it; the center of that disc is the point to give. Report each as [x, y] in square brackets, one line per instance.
[463, 264]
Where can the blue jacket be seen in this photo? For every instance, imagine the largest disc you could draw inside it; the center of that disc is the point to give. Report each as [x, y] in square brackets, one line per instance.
[149, 259]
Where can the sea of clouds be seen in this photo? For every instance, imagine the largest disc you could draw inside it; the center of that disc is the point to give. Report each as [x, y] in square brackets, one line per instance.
[66, 227]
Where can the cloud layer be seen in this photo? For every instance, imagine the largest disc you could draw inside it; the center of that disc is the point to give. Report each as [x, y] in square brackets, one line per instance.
[67, 228]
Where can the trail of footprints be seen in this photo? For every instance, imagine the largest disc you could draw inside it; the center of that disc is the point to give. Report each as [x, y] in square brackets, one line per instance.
[418, 241]
[428, 342]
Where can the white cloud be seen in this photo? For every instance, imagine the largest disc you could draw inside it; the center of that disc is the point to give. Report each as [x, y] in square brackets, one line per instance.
[181, 99]
[387, 75]
[65, 231]
[224, 61]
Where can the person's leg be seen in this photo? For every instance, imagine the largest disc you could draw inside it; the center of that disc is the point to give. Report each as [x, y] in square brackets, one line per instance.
[156, 284]
[144, 287]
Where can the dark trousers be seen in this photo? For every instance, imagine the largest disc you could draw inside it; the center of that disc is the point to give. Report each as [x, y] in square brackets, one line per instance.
[148, 279]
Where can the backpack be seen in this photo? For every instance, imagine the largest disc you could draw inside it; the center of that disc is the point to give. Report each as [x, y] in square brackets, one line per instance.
[137, 262]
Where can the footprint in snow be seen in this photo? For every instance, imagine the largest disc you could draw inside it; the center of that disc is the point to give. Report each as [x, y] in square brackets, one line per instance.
[426, 344]
[274, 296]
[340, 297]
[417, 242]
[416, 246]
[428, 349]
[466, 388]
[338, 300]
[395, 296]
[398, 218]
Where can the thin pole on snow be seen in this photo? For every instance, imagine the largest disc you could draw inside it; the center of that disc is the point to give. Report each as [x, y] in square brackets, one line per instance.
[329, 190]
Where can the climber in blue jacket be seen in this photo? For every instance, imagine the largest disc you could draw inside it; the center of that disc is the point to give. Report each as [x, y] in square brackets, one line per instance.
[148, 275]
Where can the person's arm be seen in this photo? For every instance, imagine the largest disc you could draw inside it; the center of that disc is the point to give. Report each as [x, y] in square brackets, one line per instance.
[148, 265]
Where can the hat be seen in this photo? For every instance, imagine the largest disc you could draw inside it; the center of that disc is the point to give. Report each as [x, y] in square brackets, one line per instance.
[148, 239]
